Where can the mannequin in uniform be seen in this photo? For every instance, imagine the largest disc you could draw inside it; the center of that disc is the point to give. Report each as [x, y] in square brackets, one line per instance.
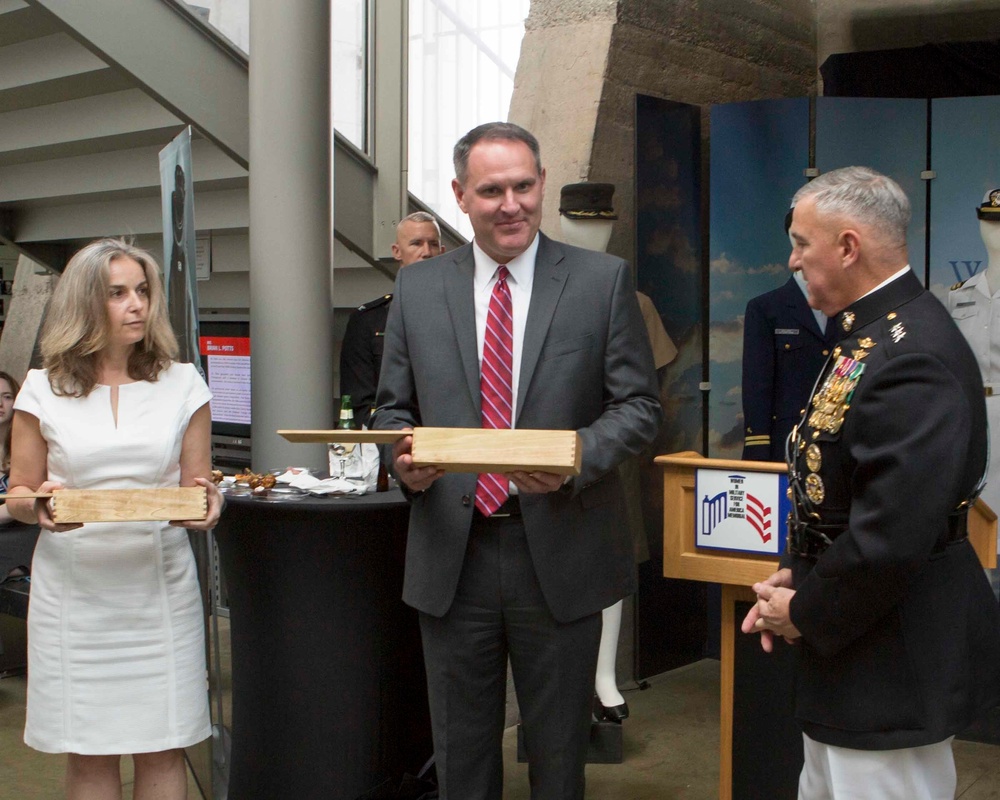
[974, 304]
[418, 238]
[785, 344]
[586, 216]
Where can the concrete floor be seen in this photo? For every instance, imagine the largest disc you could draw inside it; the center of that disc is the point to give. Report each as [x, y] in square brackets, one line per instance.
[671, 745]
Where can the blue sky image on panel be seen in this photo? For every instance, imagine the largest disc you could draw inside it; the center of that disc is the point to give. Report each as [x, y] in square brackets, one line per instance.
[966, 158]
[668, 254]
[758, 153]
[668, 198]
[888, 135]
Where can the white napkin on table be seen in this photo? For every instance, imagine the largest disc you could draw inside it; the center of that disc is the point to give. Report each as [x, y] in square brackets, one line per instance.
[338, 486]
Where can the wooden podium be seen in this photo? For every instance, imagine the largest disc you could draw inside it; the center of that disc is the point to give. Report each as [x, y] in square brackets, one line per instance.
[737, 571]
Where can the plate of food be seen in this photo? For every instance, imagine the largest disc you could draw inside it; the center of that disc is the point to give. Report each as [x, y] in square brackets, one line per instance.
[260, 486]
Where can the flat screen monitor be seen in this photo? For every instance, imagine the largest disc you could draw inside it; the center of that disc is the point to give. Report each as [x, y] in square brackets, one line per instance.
[225, 357]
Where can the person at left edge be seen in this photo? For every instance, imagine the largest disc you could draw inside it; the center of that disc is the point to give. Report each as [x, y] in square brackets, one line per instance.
[418, 237]
[116, 644]
[530, 578]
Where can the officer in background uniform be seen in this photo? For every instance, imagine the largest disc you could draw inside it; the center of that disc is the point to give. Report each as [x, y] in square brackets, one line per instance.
[897, 631]
[418, 238]
[785, 344]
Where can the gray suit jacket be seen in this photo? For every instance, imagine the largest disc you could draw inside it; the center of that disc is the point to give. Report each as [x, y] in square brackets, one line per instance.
[586, 365]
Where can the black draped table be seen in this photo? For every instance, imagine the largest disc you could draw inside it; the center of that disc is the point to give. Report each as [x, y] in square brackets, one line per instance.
[329, 689]
[17, 545]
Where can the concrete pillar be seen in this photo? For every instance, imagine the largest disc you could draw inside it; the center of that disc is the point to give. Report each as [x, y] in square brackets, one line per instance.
[290, 228]
[33, 287]
[557, 89]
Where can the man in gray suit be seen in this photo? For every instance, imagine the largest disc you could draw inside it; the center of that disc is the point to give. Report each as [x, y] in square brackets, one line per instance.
[527, 579]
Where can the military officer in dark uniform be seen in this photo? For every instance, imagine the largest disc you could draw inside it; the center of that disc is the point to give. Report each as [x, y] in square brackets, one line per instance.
[897, 630]
[418, 238]
[785, 344]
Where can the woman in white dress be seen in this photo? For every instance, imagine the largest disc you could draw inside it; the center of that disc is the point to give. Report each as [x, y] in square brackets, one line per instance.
[116, 654]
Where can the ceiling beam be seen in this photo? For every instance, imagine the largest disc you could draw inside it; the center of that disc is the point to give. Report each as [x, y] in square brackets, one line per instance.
[44, 59]
[52, 69]
[133, 171]
[223, 209]
[19, 22]
[105, 116]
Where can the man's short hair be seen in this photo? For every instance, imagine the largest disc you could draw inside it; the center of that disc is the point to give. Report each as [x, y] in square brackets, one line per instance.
[863, 195]
[420, 216]
[492, 131]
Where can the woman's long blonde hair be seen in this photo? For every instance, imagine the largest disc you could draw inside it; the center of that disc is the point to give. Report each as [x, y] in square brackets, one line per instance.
[77, 326]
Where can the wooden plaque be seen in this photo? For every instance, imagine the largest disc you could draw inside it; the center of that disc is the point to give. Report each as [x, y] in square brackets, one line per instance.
[129, 505]
[487, 450]
[342, 436]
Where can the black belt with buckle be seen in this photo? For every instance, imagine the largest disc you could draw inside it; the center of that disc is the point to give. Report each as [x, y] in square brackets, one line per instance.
[511, 508]
[811, 541]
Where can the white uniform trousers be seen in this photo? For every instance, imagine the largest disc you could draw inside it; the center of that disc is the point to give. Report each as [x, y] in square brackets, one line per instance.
[911, 773]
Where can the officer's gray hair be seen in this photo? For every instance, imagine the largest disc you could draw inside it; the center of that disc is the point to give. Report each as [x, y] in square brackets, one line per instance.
[864, 195]
[421, 216]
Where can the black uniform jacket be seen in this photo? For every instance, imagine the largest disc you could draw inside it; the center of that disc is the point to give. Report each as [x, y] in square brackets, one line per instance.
[783, 352]
[900, 632]
[361, 355]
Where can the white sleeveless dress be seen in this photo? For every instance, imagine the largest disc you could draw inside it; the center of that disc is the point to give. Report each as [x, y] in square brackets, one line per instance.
[116, 648]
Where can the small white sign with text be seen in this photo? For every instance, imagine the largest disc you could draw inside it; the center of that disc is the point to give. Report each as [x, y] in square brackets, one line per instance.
[743, 511]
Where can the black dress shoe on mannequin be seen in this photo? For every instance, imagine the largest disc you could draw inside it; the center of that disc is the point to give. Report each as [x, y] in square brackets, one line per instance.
[616, 713]
[609, 713]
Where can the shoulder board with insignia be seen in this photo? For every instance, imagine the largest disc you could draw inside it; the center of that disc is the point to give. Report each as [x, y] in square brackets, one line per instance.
[958, 285]
[381, 301]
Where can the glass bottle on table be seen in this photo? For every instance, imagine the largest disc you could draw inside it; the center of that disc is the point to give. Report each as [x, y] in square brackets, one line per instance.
[346, 422]
[338, 452]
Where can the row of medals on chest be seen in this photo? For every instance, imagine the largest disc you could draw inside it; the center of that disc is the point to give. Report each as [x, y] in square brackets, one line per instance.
[831, 403]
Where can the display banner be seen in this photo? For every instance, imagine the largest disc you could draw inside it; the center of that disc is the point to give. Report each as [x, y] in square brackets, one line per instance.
[888, 135]
[966, 165]
[668, 259]
[228, 360]
[759, 152]
[743, 511]
[668, 190]
[179, 283]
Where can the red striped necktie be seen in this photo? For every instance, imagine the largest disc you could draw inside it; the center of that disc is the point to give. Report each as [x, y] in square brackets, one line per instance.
[496, 385]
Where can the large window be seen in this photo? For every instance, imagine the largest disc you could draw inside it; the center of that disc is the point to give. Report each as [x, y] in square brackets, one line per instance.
[349, 54]
[462, 60]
